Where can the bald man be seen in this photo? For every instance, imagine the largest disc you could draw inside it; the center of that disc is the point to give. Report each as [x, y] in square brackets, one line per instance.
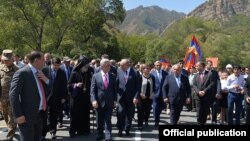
[177, 91]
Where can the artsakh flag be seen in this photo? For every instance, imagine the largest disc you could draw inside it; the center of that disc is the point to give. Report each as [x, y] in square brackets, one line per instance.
[193, 54]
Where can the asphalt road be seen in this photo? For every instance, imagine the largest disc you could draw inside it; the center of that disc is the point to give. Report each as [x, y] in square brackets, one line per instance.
[149, 133]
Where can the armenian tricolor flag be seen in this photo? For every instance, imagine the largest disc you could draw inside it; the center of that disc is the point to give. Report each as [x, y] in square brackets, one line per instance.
[193, 54]
[164, 61]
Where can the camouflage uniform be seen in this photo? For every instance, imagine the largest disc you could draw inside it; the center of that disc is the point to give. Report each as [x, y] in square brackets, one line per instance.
[1, 115]
[6, 74]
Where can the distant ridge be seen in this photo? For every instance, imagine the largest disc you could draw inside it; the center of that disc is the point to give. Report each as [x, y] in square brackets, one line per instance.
[144, 20]
[221, 10]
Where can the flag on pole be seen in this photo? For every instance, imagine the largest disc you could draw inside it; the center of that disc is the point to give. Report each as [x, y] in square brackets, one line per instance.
[193, 54]
[164, 61]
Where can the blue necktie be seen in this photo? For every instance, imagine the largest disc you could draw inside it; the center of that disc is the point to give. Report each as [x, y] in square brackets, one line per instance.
[68, 73]
[53, 76]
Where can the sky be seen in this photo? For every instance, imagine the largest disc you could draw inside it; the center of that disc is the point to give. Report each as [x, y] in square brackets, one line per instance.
[184, 6]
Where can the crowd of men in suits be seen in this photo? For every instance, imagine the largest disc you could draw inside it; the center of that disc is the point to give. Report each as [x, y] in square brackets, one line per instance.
[44, 89]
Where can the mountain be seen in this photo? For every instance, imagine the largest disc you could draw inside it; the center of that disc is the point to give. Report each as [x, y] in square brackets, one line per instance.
[143, 20]
[221, 10]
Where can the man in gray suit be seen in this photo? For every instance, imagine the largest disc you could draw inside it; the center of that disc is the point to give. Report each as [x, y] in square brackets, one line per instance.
[103, 98]
[28, 97]
[177, 91]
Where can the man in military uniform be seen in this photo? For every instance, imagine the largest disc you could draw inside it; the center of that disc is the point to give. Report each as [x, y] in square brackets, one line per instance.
[7, 70]
[1, 115]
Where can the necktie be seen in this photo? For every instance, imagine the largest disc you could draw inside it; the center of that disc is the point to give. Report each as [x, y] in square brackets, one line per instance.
[44, 104]
[159, 75]
[126, 76]
[178, 81]
[68, 73]
[53, 76]
[105, 81]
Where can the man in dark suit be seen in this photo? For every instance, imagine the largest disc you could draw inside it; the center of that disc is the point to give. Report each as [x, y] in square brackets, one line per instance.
[216, 91]
[158, 103]
[247, 98]
[67, 68]
[28, 97]
[129, 87]
[203, 87]
[103, 98]
[177, 91]
[57, 95]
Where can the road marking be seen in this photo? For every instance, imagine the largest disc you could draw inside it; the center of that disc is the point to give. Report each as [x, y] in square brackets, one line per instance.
[2, 130]
[137, 135]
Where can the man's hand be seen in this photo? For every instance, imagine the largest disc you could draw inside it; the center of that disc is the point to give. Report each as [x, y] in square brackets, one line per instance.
[63, 100]
[236, 86]
[115, 104]
[20, 120]
[143, 96]
[95, 104]
[79, 85]
[166, 100]
[201, 93]
[188, 101]
[218, 96]
[135, 101]
[41, 76]
[248, 99]
[225, 91]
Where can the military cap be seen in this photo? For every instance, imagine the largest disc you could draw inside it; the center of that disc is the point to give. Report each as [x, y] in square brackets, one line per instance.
[7, 54]
[66, 59]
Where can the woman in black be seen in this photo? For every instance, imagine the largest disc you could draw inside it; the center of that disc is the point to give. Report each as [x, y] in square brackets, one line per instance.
[147, 91]
[79, 88]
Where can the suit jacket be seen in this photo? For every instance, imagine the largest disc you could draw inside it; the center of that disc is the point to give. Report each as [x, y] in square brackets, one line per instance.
[207, 85]
[159, 83]
[58, 87]
[247, 86]
[176, 94]
[217, 84]
[63, 67]
[104, 97]
[24, 95]
[132, 88]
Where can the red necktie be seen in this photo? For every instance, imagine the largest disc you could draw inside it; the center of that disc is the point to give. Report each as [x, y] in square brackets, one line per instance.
[105, 81]
[201, 77]
[43, 95]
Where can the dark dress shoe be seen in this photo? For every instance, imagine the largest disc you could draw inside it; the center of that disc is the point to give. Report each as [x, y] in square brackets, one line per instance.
[83, 133]
[10, 134]
[99, 137]
[127, 133]
[42, 138]
[71, 135]
[120, 134]
[60, 125]
[53, 136]
[156, 125]
[1, 116]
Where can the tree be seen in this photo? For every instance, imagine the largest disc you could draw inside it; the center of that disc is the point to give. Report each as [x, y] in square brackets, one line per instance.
[47, 25]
